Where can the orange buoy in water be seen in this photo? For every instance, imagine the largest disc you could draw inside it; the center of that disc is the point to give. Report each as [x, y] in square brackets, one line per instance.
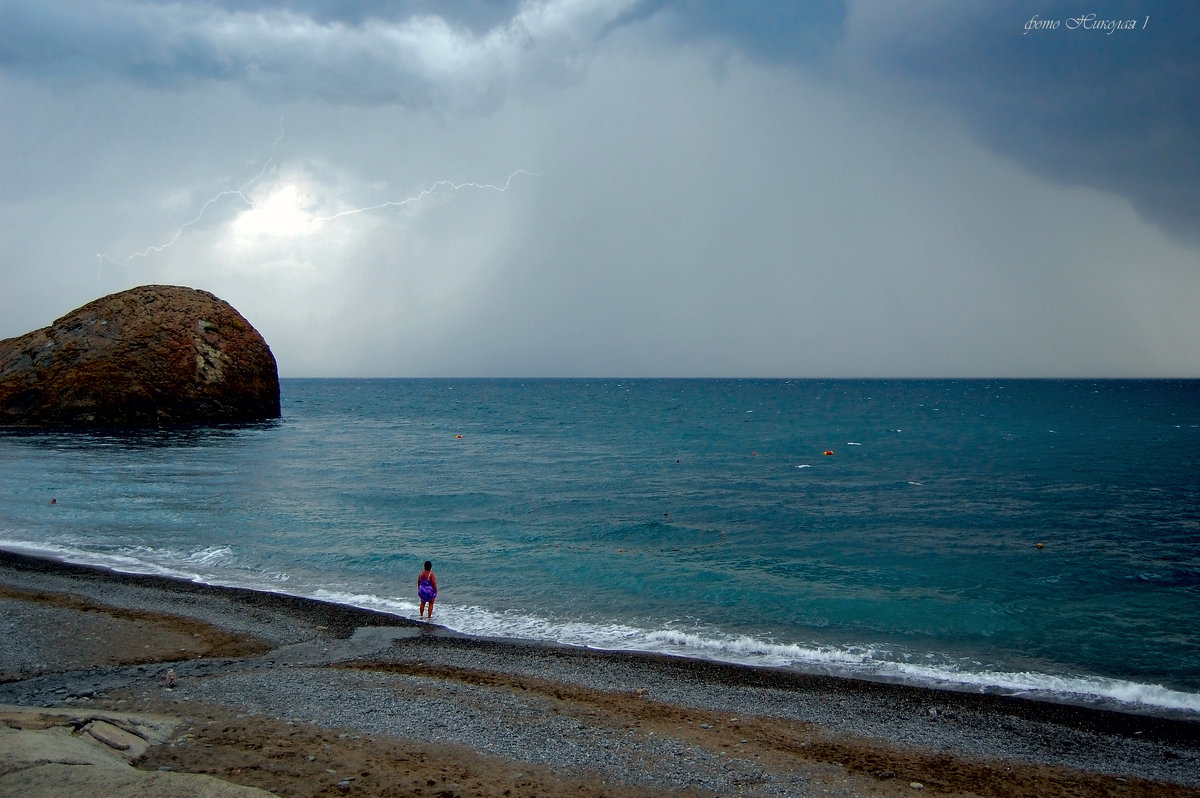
[829, 451]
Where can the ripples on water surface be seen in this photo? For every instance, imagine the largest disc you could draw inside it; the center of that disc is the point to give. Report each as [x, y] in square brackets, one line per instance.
[696, 517]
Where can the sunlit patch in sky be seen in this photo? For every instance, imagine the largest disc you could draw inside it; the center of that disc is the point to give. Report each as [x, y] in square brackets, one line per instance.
[284, 212]
[293, 207]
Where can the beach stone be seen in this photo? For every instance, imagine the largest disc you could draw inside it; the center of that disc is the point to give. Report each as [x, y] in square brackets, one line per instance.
[130, 745]
[75, 781]
[152, 356]
[42, 757]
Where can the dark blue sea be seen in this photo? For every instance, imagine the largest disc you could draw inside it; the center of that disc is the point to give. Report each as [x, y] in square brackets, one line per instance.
[1027, 537]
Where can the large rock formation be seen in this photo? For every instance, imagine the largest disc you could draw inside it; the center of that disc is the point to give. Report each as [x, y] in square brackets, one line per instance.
[157, 355]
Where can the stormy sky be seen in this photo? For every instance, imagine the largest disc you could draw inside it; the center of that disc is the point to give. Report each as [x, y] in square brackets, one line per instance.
[882, 188]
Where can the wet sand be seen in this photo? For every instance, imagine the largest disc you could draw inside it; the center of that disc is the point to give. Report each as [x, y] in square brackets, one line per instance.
[304, 698]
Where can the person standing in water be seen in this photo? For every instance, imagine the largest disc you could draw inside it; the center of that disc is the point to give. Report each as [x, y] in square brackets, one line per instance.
[427, 589]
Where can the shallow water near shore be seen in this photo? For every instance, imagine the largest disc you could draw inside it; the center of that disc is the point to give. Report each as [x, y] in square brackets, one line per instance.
[693, 517]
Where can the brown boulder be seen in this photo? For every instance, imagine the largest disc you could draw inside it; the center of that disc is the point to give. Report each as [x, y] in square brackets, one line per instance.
[156, 355]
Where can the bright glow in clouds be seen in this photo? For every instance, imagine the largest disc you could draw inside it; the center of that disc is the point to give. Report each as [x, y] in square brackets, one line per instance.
[283, 213]
[287, 207]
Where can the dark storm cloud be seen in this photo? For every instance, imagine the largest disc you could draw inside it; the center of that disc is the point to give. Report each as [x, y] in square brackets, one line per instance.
[478, 16]
[1116, 111]
[765, 29]
[375, 53]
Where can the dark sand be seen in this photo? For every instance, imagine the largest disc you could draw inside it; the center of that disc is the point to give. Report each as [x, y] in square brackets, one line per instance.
[304, 698]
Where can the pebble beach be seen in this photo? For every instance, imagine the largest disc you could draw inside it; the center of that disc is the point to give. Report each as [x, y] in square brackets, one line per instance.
[296, 697]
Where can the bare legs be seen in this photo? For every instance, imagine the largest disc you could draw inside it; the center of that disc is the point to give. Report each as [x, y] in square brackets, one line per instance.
[422, 610]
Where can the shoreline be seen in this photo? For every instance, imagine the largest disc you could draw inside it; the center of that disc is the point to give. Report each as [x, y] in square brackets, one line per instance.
[612, 722]
[348, 616]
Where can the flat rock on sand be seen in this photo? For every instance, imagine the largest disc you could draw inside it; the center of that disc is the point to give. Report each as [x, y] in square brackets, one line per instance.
[59, 754]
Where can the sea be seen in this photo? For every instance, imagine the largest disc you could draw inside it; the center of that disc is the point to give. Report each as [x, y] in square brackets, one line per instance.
[1026, 537]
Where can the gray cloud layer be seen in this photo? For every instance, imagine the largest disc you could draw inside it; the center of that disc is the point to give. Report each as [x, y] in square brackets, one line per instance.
[1118, 111]
[1115, 110]
[710, 188]
[284, 52]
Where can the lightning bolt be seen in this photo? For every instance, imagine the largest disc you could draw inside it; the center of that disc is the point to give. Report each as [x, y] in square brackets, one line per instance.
[426, 192]
[242, 194]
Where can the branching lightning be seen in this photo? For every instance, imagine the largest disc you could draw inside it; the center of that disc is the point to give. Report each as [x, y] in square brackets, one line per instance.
[243, 194]
[240, 193]
[425, 193]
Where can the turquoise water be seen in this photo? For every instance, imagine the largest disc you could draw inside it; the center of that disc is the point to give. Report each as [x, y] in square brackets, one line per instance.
[695, 517]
